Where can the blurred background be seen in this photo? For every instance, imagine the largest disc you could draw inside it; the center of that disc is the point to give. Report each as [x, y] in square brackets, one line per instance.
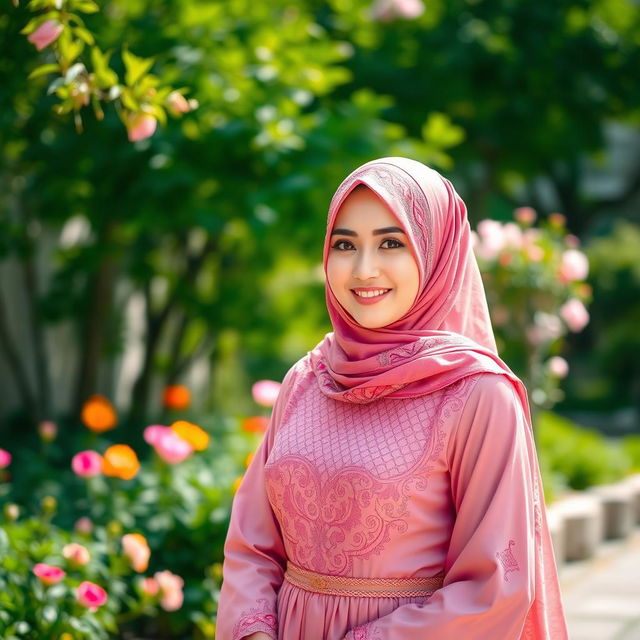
[153, 276]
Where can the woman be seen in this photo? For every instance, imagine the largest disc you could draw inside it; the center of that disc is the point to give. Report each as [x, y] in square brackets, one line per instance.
[396, 494]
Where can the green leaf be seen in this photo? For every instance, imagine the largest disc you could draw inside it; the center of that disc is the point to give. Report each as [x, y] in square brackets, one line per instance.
[34, 23]
[135, 67]
[85, 34]
[44, 70]
[86, 6]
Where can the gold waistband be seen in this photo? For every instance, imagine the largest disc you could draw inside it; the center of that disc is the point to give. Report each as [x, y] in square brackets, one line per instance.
[362, 587]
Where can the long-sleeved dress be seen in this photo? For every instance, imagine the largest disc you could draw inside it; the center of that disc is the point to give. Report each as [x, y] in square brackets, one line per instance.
[441, 487]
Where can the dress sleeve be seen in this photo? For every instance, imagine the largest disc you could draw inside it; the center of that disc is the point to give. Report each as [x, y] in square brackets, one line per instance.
[489, 583]
[254, 555]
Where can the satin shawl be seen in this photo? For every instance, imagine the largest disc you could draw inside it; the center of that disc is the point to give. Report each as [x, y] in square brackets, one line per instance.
[447, 333]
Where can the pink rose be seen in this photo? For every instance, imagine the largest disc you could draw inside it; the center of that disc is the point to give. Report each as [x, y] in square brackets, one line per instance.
[48, 574]
[87, 464]
[574, 313]
[558, 367]
[172, 448]
[492, 239]
[150, 587]
[76, 554]
[265, 392]
[171, 596]
[90, 595]
[5, 459]
[574, 266]
[512, 235]
[137, 550]
[386, 10]
[153, 432]
[45, 34]
[141, 126]
[525, 215]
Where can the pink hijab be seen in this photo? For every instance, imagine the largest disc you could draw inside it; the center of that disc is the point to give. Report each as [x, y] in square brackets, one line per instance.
[447, 334]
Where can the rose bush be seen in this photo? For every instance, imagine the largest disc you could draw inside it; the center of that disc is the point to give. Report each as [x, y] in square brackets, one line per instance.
[535, 283]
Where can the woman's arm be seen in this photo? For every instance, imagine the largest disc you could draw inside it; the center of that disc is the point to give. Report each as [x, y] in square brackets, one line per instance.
[492, 583]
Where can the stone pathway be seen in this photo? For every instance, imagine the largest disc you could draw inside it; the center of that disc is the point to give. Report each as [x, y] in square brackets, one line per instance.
[602, 595]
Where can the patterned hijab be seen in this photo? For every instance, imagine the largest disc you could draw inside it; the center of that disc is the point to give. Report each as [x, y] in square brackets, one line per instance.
[446, 334]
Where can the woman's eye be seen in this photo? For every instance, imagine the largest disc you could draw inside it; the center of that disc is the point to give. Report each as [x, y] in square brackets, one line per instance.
[342, 245]
[391, 243]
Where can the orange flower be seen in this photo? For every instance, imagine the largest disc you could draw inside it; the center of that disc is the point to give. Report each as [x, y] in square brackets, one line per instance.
[120, 461]
[255, 424]
[135, 547]
[236, 484]
[177, 397]
[198, 438]
[98, 414]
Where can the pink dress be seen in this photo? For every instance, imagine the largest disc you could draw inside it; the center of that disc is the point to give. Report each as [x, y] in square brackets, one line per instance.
[442, 486]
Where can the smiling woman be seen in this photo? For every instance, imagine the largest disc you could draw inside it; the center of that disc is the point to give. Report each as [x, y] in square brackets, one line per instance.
[396, 494]
[371, 267]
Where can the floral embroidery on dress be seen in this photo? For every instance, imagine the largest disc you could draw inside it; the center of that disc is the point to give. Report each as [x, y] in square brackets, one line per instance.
[364, 632]
[340, 479]
[508, 560]
[260, 618]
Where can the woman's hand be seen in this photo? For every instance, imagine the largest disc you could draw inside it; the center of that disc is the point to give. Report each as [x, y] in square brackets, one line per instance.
[258, 635]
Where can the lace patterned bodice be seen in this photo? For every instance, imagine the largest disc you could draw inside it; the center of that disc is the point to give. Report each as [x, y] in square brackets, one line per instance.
[343, 478]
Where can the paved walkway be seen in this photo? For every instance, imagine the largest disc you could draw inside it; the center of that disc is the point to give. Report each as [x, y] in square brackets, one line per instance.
[602, 595]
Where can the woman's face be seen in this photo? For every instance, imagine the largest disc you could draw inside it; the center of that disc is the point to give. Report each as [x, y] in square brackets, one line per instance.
[371, 268]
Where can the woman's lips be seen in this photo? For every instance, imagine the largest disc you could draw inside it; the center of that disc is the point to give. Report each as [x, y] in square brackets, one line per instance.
[369, 299]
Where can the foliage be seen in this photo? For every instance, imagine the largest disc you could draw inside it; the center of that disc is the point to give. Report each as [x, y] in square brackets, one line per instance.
[534, 280]
[574, 457]
[177, 508]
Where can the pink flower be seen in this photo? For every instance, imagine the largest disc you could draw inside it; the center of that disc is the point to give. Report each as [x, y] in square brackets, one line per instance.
[265, 392]
[5, 459]
[137, 550]
[492, 239]
[153, 432]
[386, 10]
[170, 584]
[48, 430]
[574, 313]
[574, 266]
[525, 215]
[90, 595]
[546, 327]
[512, 235]
[141, 126]
[83, 525]
[177, 103]
[48, 574]
[150, 587]
[172, 448]
[558, 367]
[76, 554]
[87, 463]
[45, 34]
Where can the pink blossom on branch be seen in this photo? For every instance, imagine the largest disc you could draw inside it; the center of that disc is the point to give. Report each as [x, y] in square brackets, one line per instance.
[574, 313]
[168, 444]
[137, 550]
[171, 596]
[45, 34]
[386, 10]
[525, 215]
[558, 367]
[141, 126]
[77, 554]
[90, 595]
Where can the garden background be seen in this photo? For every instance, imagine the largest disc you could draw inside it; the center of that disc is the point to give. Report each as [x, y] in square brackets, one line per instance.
[154, 268]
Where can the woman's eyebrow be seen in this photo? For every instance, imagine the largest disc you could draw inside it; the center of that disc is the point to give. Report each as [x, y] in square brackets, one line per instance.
[376, 232]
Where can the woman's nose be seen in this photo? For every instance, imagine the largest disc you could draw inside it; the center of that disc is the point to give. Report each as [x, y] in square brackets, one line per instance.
[366, 266]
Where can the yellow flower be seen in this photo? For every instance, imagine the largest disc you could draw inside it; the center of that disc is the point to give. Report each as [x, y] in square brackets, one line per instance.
[120, 461]
[98, 414]
[198, 438]
[248, 459]
[236, 484]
